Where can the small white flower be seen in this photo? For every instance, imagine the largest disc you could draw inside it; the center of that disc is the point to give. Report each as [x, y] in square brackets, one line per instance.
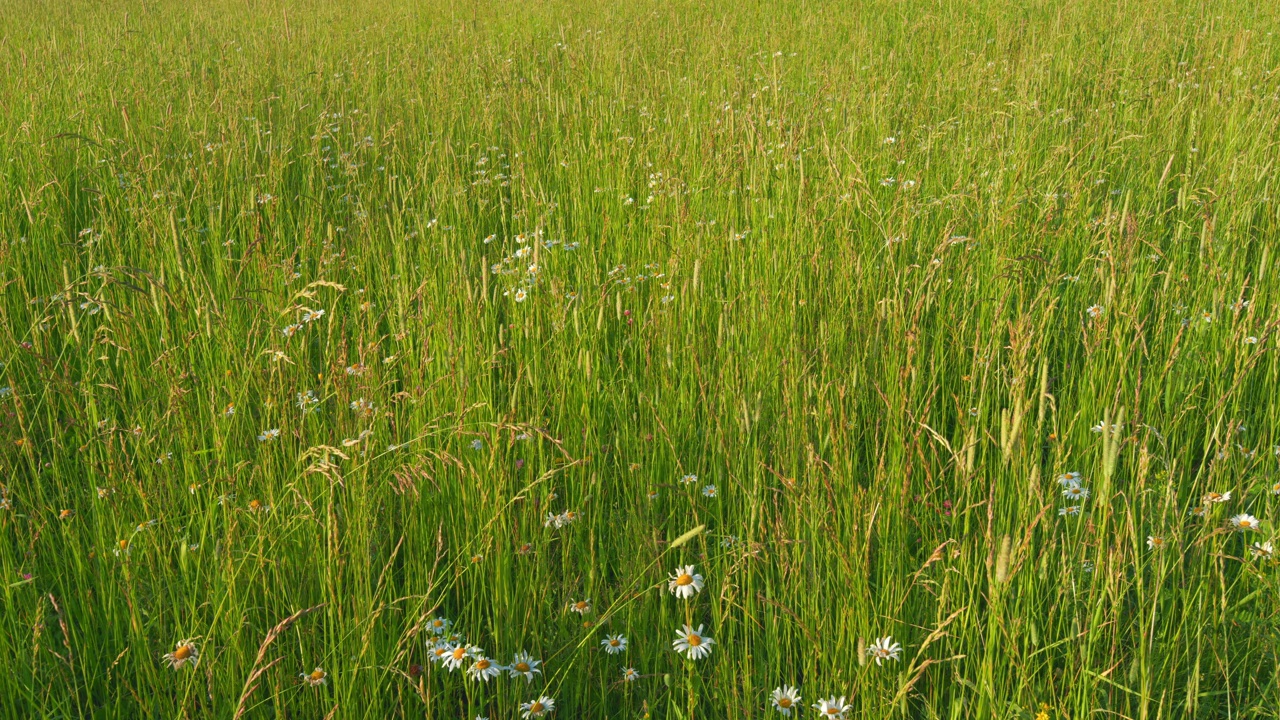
[1262, 550]
[537, 708]
[484, 669]
[271, 434]
[614, 644]
[630, 674]
[438, 625]
[786, 699]
[684, 583]
[692, 643]
[1076, 492]
[521, 295]
[832, 707]
[884, 649]
[1214, 497]
[1156, 542]
[1243, 522]
[524, 665]
[709, 491]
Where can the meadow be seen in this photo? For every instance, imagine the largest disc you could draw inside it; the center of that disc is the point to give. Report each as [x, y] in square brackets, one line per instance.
[661, 360]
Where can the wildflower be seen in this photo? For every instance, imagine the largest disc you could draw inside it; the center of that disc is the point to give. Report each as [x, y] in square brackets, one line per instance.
[689, 479]
[185, 652]
[1213, 497]
[884, 649]
[484, 669]
[357, 370]
[438, 625]
[582, 607]
[315, 678]
[684, 583]
[832, 707]
[537, 708]
[104, 493]
[1075, 492]
[1243, 522]
[1094, 311]
[630, 674]
[440, 651]
[290, 330]
[1069, 478]
[1156, 542]
[1262, 550]
[230, 410]
[312, 315]
[362, 407]
[1070, 511]
[614, 644]
[521, 295]
[692, 643]
[271, 434]
[653, 494]
[66, 514]
[457, 655]
[785, 699]
[477, 444]
[525, 665]
[1251, 340]
[1206, 316]
[1200, 510]
[257, 506]
[709, 491]
[1275, 488]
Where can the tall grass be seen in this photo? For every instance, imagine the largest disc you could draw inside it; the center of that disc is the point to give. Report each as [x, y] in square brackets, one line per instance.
[874, 271]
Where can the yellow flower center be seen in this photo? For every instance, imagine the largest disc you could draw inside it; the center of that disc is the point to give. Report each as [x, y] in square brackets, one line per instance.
[482, 664]
[694, 640]
[1246, 523]
[784, 702]
[536, 707]
[684, 579]
[614, 643]
[317, 675]
[833, 711]
[522, 667]
[459, 653]
[182, 652]
[580, 606]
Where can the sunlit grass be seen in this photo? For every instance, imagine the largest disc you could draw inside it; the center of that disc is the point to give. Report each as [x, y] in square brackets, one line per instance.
[330, 332]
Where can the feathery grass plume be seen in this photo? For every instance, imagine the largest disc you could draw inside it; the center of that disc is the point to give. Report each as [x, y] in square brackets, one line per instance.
[862, 651]
[685, 538]
[1002, 561]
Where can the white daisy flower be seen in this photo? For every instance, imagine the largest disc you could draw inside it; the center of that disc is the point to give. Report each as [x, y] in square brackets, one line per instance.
[484, 669]
[684, 583]
[315, 678]
[458, 654]
[537, 708]
[525, 665]
[884, 649]
[1243, 522]
[1156, 542]
[832, 707]
[692, 643]
[1213, 497]
[439, 651]
[614, 644]
[1262, 550]
[1070, 511]
[785, 699]
[1076, 492]
[630, 674]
